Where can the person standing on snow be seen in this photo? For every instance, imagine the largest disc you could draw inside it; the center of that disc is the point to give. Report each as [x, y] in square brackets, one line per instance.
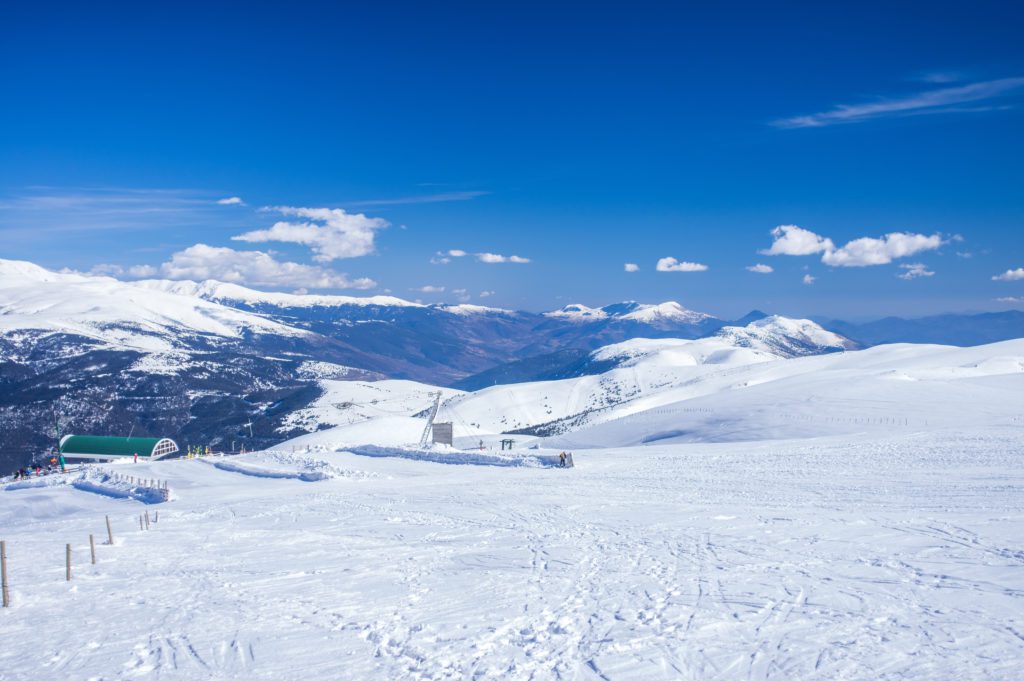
[561, 459]
[136, 455]
[60, 460]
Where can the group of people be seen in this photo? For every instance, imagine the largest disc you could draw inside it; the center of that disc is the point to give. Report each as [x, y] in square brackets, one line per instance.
[197, 451]
[565, 460]
[56, 463]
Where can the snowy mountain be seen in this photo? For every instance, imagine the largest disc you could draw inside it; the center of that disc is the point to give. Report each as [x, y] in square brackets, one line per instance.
[234, 295]
[115, 357]
[197, 361]
[594, 388]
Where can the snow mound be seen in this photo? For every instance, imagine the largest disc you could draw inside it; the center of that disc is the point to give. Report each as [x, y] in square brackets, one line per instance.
[448, 455]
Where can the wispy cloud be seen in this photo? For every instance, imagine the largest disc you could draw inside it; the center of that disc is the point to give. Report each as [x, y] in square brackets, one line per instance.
[760, 269]
[428, 289]
[631, 267]
[979, 95]
[231, 201]
[808, 279]
[442, 197]
[100, 209]
[914, 271]
[445, 257]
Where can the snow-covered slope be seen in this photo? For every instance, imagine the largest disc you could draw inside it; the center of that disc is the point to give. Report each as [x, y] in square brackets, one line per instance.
[901, 388]
[894, 556]
[645, 370]
[114, 313]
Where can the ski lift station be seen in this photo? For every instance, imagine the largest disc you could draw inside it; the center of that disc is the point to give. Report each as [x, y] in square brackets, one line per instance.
[112, 448]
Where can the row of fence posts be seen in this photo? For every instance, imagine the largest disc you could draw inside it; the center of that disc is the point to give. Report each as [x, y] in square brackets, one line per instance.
[141, 482]
[143, 525]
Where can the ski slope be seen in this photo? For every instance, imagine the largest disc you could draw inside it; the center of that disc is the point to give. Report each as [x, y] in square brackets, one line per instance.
[896, 556]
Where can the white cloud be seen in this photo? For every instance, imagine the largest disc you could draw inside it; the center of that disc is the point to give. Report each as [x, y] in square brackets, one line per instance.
[136, 271]
[457, 253]
[231, 201]
[1010, 275]
[808, 279]
[964, 254]
[915, 270]
[141, 271]
[631, 267]
[428, 289]
[486, 294]
[793, 240]
[331, 233]
[868, 251]
[255, 268]
[945, 100]
[1011, 299]
[760, 269]
[672, 265]
[440, 260]
[493, 258]
[461, 294]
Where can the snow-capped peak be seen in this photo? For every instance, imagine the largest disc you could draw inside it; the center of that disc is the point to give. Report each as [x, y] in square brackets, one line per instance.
[789, 337]
[630, 310]
[466, 310]
[116, 313]
[669, 311]
[577, 312]
[221, 291]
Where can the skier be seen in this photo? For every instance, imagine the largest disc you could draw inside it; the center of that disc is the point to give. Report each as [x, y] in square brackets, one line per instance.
[136, 459]
[561, 459]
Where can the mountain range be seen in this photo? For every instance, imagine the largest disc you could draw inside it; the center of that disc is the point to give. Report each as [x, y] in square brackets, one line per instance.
[216, 362]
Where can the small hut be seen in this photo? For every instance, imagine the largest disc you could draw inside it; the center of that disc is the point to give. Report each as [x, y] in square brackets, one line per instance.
[110, 448]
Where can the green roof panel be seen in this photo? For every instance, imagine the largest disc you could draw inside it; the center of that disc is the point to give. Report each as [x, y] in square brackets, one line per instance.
[98, 446]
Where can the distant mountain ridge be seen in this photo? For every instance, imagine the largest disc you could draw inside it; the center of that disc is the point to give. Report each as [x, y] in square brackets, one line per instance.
[199, 360]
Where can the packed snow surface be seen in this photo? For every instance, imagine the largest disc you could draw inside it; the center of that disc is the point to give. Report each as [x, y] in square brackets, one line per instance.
[897, 556]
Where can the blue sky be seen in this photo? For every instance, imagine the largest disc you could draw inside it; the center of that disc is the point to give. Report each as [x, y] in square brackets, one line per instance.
[364, 143]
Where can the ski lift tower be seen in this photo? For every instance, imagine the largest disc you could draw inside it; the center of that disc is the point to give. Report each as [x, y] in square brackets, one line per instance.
[425, 438]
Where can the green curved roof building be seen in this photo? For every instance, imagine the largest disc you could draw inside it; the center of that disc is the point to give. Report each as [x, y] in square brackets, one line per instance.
[103, 447]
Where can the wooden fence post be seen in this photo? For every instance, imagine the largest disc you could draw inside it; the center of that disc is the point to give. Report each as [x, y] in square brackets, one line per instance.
[110, 533]
[92, 549]
[157, 518]
[147, 520]
[67, 561]
[140, 523]
[3, 573]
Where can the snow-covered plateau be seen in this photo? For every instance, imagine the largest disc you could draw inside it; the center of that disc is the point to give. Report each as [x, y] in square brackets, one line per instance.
[737, 510]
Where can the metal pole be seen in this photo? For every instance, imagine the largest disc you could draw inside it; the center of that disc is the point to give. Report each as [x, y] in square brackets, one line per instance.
[110, 533]
[92, 549]
[3, 573]
[67, 561]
